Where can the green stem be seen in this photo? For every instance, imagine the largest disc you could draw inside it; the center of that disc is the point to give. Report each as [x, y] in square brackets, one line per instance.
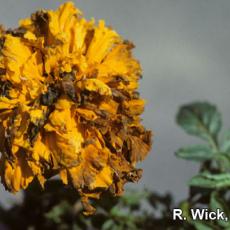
[214, 144]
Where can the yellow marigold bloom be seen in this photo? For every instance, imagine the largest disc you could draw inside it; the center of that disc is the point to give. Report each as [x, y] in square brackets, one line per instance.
[69, 105]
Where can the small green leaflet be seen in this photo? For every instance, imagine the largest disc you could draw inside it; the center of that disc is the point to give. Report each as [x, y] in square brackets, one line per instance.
[206, 180]
[57, 211]
[134, 197]
[195, 153]
[223, 160]
[200, 119]
[108, 224]
[203, 226]
[217, 202]
[225, 142]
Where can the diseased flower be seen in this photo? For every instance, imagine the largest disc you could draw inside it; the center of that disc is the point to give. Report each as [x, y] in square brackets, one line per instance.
[69, 105]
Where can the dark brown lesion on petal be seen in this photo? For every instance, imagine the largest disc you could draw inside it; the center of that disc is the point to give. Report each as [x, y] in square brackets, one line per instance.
[109, 144]
[96, 164]
[67, 85]
[2, 41]
[5, 86]
[8, 138]
[134, 175]
[90, 99]
[40, 20]
[116, 80]
[135, 95]
[87, 142]
[51, 96]
[118, 95]
[2, 71]
[18, 32]
[7, 148]
[102, 113]
[33, 131]
[63, 86]
[2, 29]
[88, 38]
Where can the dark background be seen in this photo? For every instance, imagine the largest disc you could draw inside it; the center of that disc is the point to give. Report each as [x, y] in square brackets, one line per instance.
[184, 49]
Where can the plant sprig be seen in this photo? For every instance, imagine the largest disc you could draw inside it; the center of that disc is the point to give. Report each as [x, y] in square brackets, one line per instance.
[212, 183]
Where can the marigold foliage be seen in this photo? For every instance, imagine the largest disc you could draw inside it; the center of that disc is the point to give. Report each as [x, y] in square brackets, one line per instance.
[69, 105]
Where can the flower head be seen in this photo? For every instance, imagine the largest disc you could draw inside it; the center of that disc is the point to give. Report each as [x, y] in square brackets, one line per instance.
[69, 105]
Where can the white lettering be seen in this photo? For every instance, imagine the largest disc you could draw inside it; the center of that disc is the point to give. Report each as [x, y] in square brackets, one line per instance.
[197, 214]
[212, 216]
[177, 213]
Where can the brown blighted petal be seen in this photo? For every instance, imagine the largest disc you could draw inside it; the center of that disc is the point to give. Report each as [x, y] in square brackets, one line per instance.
[123, 172]
[95, 86]
[88, 208]
[115, 141]
[137, 149]
[110, 106]
[133, 107]
[87, 114]
[92, 176]
[15, 127]
[92, 159]
[119, 165]
[2, 29]
[3, 117]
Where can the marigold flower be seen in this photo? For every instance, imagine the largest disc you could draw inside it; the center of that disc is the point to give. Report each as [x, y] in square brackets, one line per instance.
[69, 105]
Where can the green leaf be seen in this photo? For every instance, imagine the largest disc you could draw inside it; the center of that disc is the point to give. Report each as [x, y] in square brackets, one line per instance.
[117, 227]
[185, 207]
[211, 181]
[118, 212]
[200, 119]
[134, 197]
[131, 225]
[225, 142]
[218, 203]
[57, 211]
[202, 226]
[195, 153]
[76, 227]
[223, 160]
[108, 225]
